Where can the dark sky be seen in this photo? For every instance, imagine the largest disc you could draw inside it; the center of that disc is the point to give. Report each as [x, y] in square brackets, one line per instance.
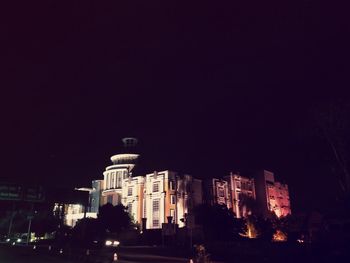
[207, 88]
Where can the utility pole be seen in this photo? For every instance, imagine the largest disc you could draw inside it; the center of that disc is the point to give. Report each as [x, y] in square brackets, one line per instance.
[30, 217]
[11, 219]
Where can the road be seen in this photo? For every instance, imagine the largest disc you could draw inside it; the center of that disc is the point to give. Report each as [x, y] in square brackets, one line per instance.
[17, 254]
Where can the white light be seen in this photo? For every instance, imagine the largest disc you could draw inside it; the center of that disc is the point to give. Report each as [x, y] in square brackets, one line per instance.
[8, 240]
[116, 243]
[19, 240]
[108, 243]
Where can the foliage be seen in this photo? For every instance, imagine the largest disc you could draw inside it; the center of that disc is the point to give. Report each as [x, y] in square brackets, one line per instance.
[201, 255]
[279, 236]
[218, 222]
[249, 204]
[249, 228]
[333, 123]
[88, 229]
[114, 218]
[44, 222]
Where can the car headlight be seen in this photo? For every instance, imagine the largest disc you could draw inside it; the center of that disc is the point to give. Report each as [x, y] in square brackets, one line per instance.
[116, 243]
[19, 240]
[8, 240]
[108, 243]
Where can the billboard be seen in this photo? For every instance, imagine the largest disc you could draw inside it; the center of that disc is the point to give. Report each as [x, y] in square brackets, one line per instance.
[15, 192]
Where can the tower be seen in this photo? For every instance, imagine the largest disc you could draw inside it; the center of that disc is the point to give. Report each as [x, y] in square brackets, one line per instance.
[121, 169]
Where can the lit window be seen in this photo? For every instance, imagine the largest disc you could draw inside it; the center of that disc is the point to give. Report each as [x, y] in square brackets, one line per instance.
[171, 185]
[155, 187]
[155, 222]
[172, 199]
[144, 208]
[155, 214]
[221, 192]
[112, 180]
[129, 208]
[130, 191]
[172, 214]
[155, 205]
[110, 199]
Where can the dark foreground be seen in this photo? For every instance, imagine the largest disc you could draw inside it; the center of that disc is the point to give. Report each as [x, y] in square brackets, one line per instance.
[26, 254]
[240, 253]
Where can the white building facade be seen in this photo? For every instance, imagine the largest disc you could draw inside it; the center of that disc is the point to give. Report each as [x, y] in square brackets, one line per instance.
[153, 197]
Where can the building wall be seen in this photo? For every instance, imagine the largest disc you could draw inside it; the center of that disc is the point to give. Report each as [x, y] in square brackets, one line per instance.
[217, 192]
[155, 196]
[131, 197]
[279, 199]
[240, 188]
[272, 196]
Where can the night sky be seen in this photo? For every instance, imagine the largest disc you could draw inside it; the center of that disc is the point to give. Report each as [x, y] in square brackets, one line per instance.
[207, 89]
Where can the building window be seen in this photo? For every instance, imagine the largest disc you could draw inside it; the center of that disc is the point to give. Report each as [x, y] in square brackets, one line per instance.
[112, 180]
[129, 208]
[130, 191]
[144, 208]
[172, 214]
[172, 199]
[221, 192]
[110, 199]
[155, 222]
[171, 185]
[107, 181]
[155, 214]
[119, 180]
[155, 187]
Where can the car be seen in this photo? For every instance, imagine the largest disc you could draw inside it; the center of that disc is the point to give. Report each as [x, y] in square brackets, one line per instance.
[16, 240]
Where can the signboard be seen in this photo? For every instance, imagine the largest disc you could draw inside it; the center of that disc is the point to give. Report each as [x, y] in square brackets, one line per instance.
[10, 192]
[14, 192]
[33, 194]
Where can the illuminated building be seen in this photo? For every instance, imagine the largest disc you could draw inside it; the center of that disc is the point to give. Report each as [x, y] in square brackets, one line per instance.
[154, 196]
[271, 196]
[166, 194]
[241, 192]
[217, 192]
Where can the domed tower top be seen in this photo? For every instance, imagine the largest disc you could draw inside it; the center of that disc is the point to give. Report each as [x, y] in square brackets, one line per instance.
[128, 158]
[129, 142]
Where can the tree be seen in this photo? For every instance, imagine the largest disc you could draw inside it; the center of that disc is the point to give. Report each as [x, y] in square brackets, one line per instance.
[248, 205]
[114, 218]
[87, 230]
[44, 222]
[218, 222]
[333, 122]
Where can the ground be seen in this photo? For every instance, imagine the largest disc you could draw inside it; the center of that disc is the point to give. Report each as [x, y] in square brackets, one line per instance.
[22, 254]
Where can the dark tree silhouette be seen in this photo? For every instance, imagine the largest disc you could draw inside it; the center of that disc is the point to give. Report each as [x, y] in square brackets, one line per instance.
[44, 222]
[114, 218]
[333, 122]
[248, 203]
[88, 229]
[218, 222]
